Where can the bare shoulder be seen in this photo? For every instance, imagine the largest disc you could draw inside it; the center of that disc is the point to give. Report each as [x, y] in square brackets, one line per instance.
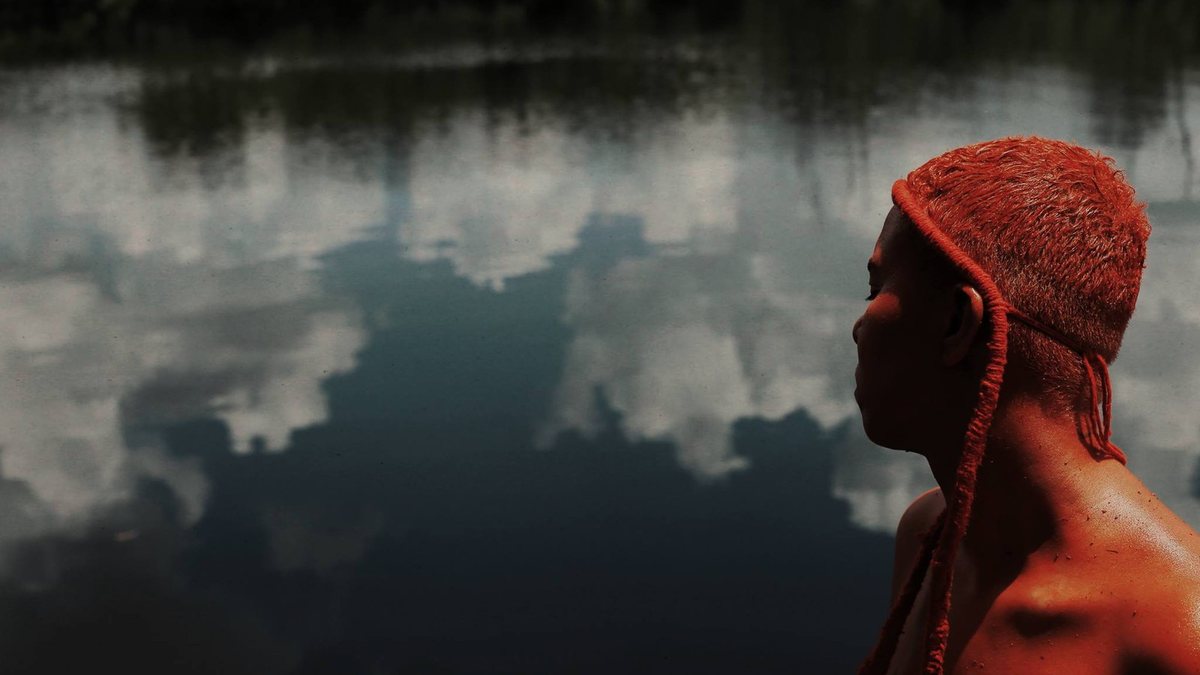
[916, 521]
[1161, 618]
[1163, 636]
[921, 513]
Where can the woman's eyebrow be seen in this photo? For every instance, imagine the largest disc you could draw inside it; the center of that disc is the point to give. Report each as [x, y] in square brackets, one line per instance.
[872, 267]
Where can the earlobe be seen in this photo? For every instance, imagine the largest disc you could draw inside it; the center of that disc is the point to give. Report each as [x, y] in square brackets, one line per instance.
[965, 322]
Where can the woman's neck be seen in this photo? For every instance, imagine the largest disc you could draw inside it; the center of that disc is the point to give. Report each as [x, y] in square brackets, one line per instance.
[1035, 481]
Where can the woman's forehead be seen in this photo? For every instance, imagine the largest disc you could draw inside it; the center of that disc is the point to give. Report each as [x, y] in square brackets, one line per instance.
[891, 241]
[900, 250]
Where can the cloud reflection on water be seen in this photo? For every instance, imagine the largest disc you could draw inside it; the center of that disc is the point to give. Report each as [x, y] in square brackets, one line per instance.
[154, 296]
[129, 303]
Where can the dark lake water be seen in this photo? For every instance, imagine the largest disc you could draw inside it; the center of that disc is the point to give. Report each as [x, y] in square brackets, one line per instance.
[500, 359]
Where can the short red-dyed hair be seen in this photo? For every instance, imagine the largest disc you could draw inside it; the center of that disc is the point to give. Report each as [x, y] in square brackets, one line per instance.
[1060, 232]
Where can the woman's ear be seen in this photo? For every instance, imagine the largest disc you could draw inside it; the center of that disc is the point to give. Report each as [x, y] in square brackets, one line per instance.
[966, 317]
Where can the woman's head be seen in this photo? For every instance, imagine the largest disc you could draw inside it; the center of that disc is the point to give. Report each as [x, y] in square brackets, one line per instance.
[1061, 234]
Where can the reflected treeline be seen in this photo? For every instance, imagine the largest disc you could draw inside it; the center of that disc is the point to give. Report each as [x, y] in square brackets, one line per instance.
[107, 26]
[202, 112]
[854, 56]
[832, 64]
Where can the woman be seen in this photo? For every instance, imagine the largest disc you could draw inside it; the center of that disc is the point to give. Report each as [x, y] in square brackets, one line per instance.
[1001, 286]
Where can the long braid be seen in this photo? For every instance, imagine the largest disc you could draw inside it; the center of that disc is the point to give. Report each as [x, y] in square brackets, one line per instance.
[975, 444]
[885, 647]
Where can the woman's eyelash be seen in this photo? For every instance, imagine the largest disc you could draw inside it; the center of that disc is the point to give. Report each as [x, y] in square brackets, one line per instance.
[872, 295]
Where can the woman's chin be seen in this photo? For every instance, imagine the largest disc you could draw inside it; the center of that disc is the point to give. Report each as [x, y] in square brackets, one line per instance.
[880, 434]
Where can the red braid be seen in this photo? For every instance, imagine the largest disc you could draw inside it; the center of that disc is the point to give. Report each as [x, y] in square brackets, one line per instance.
[877, 662]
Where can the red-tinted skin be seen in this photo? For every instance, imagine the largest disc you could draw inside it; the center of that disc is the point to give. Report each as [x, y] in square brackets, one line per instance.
[1068, 565]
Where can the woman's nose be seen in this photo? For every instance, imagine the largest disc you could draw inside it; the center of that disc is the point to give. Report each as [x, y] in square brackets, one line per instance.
[854, 330]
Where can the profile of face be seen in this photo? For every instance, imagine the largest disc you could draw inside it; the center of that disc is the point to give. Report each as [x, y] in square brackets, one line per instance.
[915, 342]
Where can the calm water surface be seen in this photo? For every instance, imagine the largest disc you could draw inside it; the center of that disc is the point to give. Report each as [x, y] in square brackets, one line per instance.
[486, 360]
